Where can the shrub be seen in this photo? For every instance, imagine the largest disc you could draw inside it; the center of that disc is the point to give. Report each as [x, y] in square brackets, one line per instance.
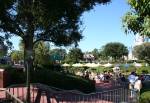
[145, 97]
[144, 70]
[145, 93]
[63, 81]
[5, 66]
[16, 76]
[52, 78]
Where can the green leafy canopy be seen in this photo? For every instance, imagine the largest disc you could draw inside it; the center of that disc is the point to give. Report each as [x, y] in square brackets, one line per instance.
[57, 21]
[137, 20]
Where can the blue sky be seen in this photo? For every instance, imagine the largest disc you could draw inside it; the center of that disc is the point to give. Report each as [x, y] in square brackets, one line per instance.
[102, 25]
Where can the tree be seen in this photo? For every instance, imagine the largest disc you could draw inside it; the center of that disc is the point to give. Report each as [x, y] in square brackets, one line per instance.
[57, 21]
[17, 56]
[138, 19]
[42, 54]
[74, 56]
[95, 53]
[142, 52]
[115, 50]
[3, 47]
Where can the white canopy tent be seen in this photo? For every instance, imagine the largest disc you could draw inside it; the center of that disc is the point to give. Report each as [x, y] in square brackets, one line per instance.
[92, 65]
[78, 65]
[137, 64]
[108, 65]
[65, 65]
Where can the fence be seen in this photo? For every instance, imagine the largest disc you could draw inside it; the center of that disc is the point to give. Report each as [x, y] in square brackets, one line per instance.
[7, 97]
[44, 94]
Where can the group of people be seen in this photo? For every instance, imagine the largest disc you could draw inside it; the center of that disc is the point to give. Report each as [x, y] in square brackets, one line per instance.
[106, 76]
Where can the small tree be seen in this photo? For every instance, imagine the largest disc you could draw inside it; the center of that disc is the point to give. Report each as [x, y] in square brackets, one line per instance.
[142, 52]
[115, 50]
[95, 53]
[75, 55]
[17, 56]
[42, 54]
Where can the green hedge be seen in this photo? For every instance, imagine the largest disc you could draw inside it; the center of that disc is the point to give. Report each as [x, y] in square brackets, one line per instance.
[63, 81]
[145, 93]
[16, 76]
[144, 70]
[145, 97]
[53, 78]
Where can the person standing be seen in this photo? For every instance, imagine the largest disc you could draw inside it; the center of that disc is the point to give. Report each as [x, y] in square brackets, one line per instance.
[132, 79]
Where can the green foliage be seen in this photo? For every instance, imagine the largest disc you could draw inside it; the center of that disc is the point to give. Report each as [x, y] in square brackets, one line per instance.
[115, 50]
[63, 81]
[56, 21]
[53, 78]
[16, 56]
[138, 19]
[145, 93]
[3, 48]
[143, 52]
[16, 76]
[95, 53]
[144, 70]
[145, 97]
[4, 66]
[74, 55]
[42, 55]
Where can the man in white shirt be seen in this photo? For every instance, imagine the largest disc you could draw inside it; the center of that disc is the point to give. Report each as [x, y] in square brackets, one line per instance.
[132, 79]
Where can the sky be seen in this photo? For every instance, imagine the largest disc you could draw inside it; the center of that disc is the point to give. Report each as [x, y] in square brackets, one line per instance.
[102, 25]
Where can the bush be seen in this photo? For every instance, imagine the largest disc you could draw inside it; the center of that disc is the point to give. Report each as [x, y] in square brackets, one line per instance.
[5, 66]
[145, 97]
[16, 76]
[144, 70]
[145, 92]
[63, 81]
[52, 78]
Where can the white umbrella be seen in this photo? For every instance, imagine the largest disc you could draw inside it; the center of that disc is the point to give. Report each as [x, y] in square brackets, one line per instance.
[92, 65]
[78, 65]
[66, 65]
[107, 65]
[137, 64]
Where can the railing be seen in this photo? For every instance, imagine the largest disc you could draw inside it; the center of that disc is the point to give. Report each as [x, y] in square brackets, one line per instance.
[7, 97]
[45, 94]
[112, 96]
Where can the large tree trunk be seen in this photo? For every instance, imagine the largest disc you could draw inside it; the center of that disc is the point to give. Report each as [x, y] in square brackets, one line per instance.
[28, 57]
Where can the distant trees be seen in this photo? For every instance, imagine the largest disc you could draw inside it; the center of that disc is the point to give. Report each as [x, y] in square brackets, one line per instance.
[95, 53]
[75, 55]
[115, 50]
[142, 52]
[17, 56]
